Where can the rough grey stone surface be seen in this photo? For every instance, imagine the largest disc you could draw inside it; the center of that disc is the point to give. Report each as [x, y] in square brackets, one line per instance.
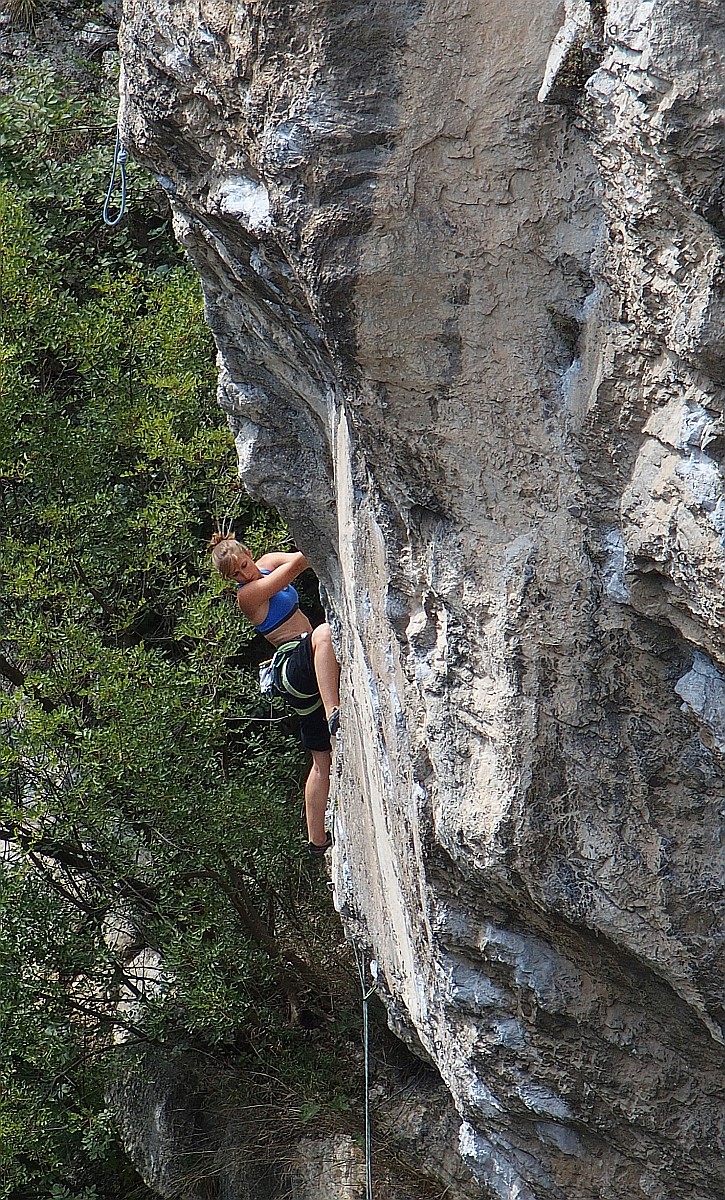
[464, 265]
[196, 1130]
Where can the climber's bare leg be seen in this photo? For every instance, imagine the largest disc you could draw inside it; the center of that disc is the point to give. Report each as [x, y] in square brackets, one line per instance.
[317, 789]
[327, 670]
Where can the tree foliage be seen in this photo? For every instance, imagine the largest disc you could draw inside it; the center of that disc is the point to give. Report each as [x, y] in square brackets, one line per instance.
[151, 880]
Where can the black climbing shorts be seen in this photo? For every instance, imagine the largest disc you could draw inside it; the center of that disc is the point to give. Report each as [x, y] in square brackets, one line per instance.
[295, 682]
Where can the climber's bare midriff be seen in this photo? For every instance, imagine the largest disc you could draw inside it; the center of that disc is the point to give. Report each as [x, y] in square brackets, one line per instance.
[294, 626]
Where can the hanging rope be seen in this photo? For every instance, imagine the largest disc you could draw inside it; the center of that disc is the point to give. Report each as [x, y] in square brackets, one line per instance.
[366, 994]
[120, 156]
[270, 720]
[264, 720]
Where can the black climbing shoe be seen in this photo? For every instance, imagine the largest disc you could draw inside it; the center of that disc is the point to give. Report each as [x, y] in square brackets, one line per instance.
[333, 721]
[316, 851]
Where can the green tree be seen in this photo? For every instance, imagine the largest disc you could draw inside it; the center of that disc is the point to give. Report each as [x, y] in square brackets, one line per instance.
[148, 808]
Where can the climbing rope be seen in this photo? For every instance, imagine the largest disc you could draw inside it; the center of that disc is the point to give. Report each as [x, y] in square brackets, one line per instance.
[366, 994]
[264, 720]
[270, 720]
[120, 156]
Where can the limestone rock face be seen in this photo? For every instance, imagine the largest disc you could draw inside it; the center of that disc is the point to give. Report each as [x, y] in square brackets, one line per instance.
[464, 265]
[196, 1129]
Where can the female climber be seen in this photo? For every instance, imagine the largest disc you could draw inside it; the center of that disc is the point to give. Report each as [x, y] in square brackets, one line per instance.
[304, 668]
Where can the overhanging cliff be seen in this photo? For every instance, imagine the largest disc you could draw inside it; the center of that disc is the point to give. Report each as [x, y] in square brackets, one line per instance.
[464, 266]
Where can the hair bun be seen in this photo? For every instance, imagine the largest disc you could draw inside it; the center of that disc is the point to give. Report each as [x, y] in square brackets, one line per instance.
[217, 538]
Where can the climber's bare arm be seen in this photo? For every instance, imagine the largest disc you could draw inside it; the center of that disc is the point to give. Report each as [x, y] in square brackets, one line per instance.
[270, 562]
[256, 593]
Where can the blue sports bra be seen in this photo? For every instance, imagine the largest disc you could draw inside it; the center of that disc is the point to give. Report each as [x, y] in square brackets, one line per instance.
[281, 606]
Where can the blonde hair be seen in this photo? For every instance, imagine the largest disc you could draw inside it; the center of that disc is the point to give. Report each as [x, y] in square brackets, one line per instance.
[225, 551]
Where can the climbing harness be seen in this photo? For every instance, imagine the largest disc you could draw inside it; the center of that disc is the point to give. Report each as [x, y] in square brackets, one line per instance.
[366, 994]
[120, 157]
[274, 680]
